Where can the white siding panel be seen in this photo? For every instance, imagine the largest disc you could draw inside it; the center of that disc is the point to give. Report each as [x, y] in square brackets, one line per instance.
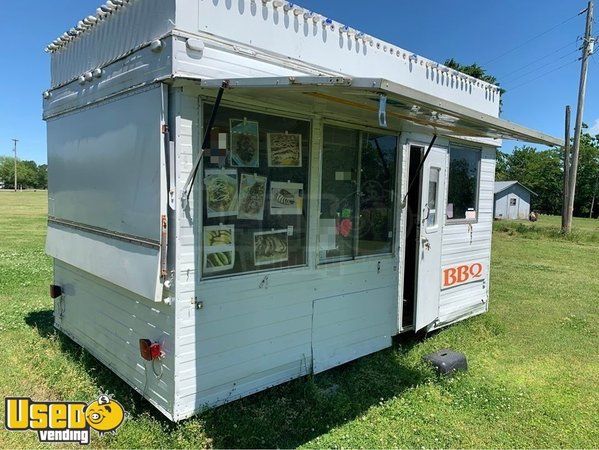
[347, 327]
[109, 321]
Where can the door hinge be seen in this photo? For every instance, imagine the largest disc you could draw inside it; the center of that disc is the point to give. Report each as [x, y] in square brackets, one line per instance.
[164, 128]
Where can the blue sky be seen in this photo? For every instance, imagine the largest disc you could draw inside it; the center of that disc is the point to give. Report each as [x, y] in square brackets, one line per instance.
[469, 30]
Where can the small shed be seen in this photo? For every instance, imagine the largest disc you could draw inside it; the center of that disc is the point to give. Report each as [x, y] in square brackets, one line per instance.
[246, 192]
[512, 200]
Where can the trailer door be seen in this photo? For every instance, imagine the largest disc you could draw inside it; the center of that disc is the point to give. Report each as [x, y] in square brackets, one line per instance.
[513, 207]
[431, 225]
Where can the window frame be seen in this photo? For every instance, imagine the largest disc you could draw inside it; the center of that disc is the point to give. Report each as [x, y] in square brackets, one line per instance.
[198, 201]
[439, 198]
[469, 147]
[397, 184]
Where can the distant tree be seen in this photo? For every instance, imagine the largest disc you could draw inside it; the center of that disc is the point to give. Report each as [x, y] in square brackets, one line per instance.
[476, 71]
[30, 175]
[587, 181]
[542, 171]
[501, 171]
[42, 176]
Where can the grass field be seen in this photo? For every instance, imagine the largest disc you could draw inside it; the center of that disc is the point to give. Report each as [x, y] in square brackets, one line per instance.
[533, 378]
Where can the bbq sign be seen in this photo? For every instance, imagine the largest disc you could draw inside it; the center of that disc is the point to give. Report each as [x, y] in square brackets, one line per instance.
[463, 273]
[62, 422]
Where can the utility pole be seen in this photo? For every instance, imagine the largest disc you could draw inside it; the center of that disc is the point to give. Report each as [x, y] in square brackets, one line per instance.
[587, 50]
[15, 150]
[594, 195]
[566, 171]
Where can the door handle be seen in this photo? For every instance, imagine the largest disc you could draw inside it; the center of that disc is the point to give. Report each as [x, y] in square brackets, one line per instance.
[426, 212]
[426, 243]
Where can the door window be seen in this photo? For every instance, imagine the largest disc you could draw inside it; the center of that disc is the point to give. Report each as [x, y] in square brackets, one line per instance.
[433, 197]
[464, 168]
[357, 197]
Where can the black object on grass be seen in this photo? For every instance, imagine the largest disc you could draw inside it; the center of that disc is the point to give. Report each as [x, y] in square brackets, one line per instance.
[447, 361]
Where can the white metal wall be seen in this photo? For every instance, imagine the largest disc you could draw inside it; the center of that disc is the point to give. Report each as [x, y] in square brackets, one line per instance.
[253, 30]
[138, 23]
[258, 330]
[109, 321]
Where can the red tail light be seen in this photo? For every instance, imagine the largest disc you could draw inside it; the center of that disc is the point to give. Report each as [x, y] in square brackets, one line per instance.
[150, 350]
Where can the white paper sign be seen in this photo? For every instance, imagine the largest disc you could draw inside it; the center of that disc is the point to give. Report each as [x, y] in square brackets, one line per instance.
[286, 198]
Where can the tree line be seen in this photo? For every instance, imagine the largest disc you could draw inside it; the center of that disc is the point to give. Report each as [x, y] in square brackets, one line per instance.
[29, 174]
[543, 173]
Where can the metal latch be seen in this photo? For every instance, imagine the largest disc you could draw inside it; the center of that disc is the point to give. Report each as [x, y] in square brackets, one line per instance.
[426, 243]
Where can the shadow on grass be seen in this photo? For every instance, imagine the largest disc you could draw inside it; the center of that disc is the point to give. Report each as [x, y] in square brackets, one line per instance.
[284, 416]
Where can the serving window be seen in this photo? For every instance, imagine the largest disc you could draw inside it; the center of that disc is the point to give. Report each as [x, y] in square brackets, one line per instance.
[357, 194]
[464, 171]
[254, 186]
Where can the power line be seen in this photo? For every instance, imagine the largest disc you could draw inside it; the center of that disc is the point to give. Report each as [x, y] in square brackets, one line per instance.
[536, 69]
[541, 76]
[502, 77]
[518, 47]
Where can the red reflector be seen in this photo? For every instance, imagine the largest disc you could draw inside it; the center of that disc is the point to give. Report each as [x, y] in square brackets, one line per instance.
[55, 291]
[155, 351]
[148, 350]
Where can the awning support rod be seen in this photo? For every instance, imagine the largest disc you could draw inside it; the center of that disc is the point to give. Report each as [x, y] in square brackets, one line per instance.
[417, 174]
[383, 111]
[205, 144]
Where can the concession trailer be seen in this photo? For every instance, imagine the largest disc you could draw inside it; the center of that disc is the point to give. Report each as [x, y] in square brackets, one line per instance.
[244, 192]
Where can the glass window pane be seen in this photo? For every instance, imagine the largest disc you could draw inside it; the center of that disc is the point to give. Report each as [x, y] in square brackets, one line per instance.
[254, 193]
[377, 184]
[433, 195]
[463, 182]
[341, 147]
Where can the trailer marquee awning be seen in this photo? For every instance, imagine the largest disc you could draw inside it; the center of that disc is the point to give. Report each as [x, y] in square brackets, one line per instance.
[382, 99]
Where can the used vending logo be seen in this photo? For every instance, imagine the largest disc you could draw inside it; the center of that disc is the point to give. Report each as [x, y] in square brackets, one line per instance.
[63, 421]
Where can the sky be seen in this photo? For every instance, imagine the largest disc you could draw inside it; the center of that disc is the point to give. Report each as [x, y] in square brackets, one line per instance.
[541, 74]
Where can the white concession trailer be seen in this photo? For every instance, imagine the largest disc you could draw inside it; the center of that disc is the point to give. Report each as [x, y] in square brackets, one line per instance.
[243, 192]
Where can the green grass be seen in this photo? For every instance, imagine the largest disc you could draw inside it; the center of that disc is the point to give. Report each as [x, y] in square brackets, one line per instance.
[583, 230]
[533, 378]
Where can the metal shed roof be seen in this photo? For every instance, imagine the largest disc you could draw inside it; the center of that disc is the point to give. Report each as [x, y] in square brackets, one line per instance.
[364, 94]
[501, 186]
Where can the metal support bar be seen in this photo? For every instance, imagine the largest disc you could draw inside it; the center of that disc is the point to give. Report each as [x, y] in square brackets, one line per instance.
[383, 111]
[416, 176]
[205, 144]
[144, 242]
[163, 246]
